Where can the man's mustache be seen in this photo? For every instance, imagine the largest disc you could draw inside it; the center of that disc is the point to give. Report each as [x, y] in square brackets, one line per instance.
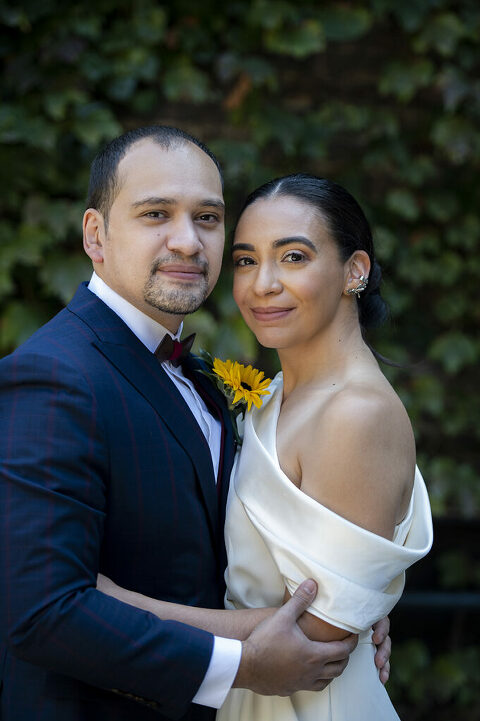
[160, 263]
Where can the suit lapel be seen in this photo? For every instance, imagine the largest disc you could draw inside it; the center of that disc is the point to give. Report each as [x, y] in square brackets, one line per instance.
[192, 366]
[140, 367]
[208, 388]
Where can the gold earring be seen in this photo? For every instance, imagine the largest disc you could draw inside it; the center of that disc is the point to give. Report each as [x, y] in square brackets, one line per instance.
[360, 287]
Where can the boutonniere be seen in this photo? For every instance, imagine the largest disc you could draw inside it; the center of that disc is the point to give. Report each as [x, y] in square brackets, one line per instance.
[241, 385]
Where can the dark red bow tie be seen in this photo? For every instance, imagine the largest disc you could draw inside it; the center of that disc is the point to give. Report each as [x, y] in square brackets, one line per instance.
[174, 351]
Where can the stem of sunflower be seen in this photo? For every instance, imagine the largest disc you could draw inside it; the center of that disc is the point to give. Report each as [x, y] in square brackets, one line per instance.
[235, 410]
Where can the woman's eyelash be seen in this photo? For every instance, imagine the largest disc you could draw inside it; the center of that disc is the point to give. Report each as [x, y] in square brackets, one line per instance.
[301, 256]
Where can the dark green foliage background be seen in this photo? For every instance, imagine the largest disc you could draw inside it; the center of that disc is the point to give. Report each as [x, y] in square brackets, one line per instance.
[382, 96]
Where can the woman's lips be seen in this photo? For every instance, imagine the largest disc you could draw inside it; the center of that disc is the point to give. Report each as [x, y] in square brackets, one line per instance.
[271, 313]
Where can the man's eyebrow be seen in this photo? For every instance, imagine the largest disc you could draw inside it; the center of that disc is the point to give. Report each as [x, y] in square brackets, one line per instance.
[210, 203]
[298, 239]
[155, 200]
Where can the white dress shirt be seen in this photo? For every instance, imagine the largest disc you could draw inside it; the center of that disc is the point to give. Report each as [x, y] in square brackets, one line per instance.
[226, 654]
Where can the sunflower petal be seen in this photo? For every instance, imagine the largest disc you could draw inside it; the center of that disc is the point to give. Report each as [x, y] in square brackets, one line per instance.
[238, 395]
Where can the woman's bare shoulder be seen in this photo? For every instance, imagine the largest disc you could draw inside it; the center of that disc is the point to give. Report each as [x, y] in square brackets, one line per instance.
[360, 456]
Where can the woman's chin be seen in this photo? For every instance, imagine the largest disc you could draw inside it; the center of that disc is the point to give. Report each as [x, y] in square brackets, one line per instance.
[273, 339]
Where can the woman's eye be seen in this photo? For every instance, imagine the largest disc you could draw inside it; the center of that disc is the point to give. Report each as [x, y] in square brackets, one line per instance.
[294, 256]
[241, 262]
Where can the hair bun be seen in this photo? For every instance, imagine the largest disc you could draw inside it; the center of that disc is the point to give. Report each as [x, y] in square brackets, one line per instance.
[373, 310]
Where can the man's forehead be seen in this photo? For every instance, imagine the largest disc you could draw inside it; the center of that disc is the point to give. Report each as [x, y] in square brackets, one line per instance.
[182, 167]
[148, 148]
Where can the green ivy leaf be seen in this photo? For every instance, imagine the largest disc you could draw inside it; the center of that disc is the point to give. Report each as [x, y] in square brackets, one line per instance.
[299, 41]
[403, 80]
[20, 320]
[183, 81]
[454, 351]
[442, 34]
[61, 276]
[457, 137]
[342, 22]
[94, 123]
[403, 203]
[442, 206]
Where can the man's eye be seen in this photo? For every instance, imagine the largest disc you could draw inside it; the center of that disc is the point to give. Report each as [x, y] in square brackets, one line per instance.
[155, 214]
[208, 217]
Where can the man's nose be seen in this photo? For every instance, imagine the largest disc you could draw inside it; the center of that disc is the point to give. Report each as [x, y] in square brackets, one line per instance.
[183, 237]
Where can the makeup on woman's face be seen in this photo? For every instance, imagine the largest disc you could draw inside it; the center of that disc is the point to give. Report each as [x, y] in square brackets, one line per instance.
[288, 276]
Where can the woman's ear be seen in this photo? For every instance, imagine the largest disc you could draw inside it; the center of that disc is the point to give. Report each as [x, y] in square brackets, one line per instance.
[94, 235]
[357, 271]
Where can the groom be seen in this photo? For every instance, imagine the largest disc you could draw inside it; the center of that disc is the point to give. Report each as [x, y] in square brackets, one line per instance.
[115, 458]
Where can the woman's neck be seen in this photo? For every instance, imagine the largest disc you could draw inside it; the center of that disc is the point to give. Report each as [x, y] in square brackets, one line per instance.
[324, 359]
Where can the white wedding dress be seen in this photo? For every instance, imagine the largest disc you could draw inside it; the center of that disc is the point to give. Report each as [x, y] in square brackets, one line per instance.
[276, 536]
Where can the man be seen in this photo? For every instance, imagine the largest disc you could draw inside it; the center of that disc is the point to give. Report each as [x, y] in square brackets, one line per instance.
[115, 460]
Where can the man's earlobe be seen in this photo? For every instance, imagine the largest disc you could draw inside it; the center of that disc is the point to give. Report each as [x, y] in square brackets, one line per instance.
[93, 234]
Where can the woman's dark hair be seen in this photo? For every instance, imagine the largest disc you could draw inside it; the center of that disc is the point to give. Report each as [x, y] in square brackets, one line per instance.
[348, 227]
[103, 185]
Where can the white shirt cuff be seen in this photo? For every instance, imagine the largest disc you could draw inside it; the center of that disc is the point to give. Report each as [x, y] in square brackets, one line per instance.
[221, 672]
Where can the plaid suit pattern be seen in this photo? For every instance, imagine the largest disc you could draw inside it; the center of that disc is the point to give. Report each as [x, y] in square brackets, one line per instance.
[103, 469]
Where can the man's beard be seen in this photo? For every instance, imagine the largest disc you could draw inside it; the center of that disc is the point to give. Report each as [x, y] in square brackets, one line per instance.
[182, 300]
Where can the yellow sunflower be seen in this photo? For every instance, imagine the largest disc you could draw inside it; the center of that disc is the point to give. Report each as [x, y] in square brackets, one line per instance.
[247, 383]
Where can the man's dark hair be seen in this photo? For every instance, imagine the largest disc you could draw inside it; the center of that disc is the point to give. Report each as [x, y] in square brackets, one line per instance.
[103, 185]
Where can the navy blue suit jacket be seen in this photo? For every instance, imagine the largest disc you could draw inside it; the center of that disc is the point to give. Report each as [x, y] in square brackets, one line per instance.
[103, 469]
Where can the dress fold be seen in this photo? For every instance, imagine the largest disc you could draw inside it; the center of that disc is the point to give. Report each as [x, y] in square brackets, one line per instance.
[276, 536]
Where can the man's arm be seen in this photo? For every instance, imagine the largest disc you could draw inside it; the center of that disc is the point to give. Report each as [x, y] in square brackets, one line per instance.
[54, 471]
[52, 495]
[276, 656]
[239, 624]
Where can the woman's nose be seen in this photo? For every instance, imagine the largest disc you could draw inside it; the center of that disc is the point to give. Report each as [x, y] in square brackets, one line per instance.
[267, 281]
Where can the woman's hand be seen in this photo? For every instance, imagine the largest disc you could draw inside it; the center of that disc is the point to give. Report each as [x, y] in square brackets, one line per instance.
[383, 642]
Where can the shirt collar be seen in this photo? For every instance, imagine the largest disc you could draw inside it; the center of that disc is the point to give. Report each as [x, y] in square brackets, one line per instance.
[149, 331]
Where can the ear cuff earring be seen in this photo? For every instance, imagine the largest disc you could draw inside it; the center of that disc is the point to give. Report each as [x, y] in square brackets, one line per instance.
[363, 282]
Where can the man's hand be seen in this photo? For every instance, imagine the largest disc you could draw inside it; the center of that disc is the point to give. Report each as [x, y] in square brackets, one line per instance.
[278, 659]
[383, 643]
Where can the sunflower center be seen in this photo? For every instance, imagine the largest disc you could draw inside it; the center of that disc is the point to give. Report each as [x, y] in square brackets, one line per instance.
[246, 386]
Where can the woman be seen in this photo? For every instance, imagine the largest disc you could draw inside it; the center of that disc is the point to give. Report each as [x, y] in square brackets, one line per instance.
[325, 486]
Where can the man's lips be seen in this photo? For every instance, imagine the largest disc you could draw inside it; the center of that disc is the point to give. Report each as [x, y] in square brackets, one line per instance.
[182, 272]
[270, 313]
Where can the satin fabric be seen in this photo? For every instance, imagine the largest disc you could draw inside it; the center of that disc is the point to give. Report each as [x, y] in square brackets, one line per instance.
[276, 536]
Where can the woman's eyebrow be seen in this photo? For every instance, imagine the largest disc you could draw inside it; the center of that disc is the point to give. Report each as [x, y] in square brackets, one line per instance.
[242, 246]
[299, 239]
[294, 239]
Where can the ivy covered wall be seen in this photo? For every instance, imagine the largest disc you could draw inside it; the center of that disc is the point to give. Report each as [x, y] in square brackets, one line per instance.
[382, 96]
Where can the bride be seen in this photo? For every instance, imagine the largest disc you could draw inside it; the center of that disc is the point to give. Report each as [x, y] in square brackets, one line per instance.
[326, 484]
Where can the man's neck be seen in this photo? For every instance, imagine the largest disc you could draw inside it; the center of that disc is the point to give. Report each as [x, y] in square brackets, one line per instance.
[146, 328]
